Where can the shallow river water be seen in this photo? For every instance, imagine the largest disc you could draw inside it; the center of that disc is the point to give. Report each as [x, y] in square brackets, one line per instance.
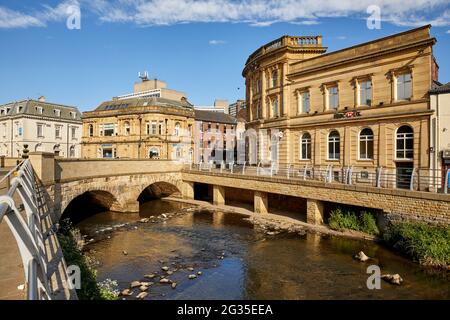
[238, 262]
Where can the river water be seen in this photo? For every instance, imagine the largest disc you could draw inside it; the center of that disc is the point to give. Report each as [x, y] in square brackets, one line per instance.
[239, 262]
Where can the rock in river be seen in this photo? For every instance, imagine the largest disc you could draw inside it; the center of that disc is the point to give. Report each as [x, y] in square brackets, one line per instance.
[135, 284]
[392, 278]
[361, 256]
[143, 288]
[164, 280]
[192, 276]
[165, 268]
[142, 295]
[126, 292]
[149, 276]
[174, 285]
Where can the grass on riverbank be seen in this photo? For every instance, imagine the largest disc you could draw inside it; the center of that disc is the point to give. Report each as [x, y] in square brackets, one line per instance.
[69, 239]
[428, 245]
[344, 219]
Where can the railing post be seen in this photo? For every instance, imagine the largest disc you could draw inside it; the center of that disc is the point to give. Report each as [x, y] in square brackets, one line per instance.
[243, 169]
[258, 168]
[447, 173]
[232, 166]
[411, 182]
[222, 165]
[349, 175]
[378, 176]
[304, 172]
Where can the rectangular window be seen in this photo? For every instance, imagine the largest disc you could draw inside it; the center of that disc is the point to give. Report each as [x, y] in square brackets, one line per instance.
[160, 128]
[108, 129]
[4, 130]
[40, 130]
[305, 102]
[57, 112]
[39, 110]
[333, 98]
[147, 128]
[153, 127]
[74, 132]
[58, 131]
[404, 86]
[365, 93]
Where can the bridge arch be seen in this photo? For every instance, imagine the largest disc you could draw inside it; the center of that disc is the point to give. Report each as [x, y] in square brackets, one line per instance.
[89, 203]
[158, 190]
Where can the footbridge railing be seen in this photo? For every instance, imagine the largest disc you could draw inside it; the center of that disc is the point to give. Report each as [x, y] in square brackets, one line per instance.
[413, 179]
[21, 208]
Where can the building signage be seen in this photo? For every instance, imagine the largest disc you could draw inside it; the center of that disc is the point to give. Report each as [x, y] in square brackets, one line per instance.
[347, 114]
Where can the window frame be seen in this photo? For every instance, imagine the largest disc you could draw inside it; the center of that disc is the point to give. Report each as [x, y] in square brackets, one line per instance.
[336, 140]
[307, 142]
[405, 139]
[366, 140]
[397, 78]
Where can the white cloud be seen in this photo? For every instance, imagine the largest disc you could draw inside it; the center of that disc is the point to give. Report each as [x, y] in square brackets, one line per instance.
[217, 42]
[341, 37]
[16, 19]
[448, 31]
[254, 12]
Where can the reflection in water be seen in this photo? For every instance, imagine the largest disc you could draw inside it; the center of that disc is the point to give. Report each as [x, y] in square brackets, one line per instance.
[238, 263]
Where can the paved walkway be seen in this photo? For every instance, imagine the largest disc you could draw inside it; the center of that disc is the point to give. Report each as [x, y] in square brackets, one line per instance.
[11, 268]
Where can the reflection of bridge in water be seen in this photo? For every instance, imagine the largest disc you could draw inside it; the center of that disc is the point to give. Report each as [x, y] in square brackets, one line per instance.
[67, 185]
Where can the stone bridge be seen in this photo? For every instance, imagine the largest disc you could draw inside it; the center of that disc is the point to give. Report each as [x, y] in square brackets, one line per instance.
[120, 184]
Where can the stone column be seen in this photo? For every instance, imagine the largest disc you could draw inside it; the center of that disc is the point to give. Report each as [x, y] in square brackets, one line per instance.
[188, 190]
[261, 200]
[44, 166]
[314, 211]
[218, 195]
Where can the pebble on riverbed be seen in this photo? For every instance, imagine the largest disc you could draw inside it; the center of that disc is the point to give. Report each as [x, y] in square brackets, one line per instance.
[174, 285]
[126, 292]
[165, 268]
[125, 253]
[392, 278]
[192, 276]
[164, 280]
[149, 276]
[361, 256]
[135, 284]
[142, 295]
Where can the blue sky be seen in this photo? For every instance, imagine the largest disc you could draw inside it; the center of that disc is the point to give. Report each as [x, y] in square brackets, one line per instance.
[198, 47]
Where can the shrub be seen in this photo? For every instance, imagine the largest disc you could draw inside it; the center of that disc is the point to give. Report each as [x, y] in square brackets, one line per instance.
[341, 219]
[71, 245]
[429, 245]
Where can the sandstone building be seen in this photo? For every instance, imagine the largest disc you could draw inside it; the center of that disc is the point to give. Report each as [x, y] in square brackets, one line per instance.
[366, 106]
[152, 122]
[43, 126]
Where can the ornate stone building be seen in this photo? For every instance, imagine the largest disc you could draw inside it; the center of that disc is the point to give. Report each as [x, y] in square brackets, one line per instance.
[43, 126]
[152, 122]
[366, 106]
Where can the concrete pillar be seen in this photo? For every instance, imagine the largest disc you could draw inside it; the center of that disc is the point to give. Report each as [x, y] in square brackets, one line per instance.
[218, 195]
[188, 190]
[261, 200]
[314, 211]
[44, 166]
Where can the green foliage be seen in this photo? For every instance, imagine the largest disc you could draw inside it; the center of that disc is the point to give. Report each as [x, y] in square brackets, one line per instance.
[70, 241]
[341, 219]
[429, 245]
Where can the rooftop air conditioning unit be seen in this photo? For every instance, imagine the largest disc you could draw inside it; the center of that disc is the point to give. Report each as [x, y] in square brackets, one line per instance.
[446, 154]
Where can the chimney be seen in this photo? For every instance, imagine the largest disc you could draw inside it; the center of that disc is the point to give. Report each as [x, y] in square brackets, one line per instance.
[41, 99]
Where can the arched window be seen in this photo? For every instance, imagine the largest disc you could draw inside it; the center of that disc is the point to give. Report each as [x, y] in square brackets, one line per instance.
[334, 145]
[274, 78]
[177, 129]
[305, 147]
[366, 144]
[91, 130]
[153, 153]
[275, 107]
[405, 143]
[127, 128]
[72, 152]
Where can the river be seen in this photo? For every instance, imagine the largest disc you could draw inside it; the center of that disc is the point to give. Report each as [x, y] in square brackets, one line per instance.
[238, 262]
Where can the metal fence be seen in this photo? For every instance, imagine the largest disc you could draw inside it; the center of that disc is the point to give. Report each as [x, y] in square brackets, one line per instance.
[20, 208]
[412, 179]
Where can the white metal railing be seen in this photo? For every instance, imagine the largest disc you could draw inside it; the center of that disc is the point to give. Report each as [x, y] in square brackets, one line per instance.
[412, 179]
[27, 229]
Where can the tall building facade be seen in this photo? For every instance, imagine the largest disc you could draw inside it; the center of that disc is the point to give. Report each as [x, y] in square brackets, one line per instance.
[42, 126]
[236, 107]
[152, 122]
[366, 106]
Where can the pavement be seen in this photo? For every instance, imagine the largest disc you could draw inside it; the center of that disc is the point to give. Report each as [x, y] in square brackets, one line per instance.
[11, 268]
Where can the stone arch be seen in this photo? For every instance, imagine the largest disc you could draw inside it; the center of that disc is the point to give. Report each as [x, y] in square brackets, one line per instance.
[89, 203]
[158, 190]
